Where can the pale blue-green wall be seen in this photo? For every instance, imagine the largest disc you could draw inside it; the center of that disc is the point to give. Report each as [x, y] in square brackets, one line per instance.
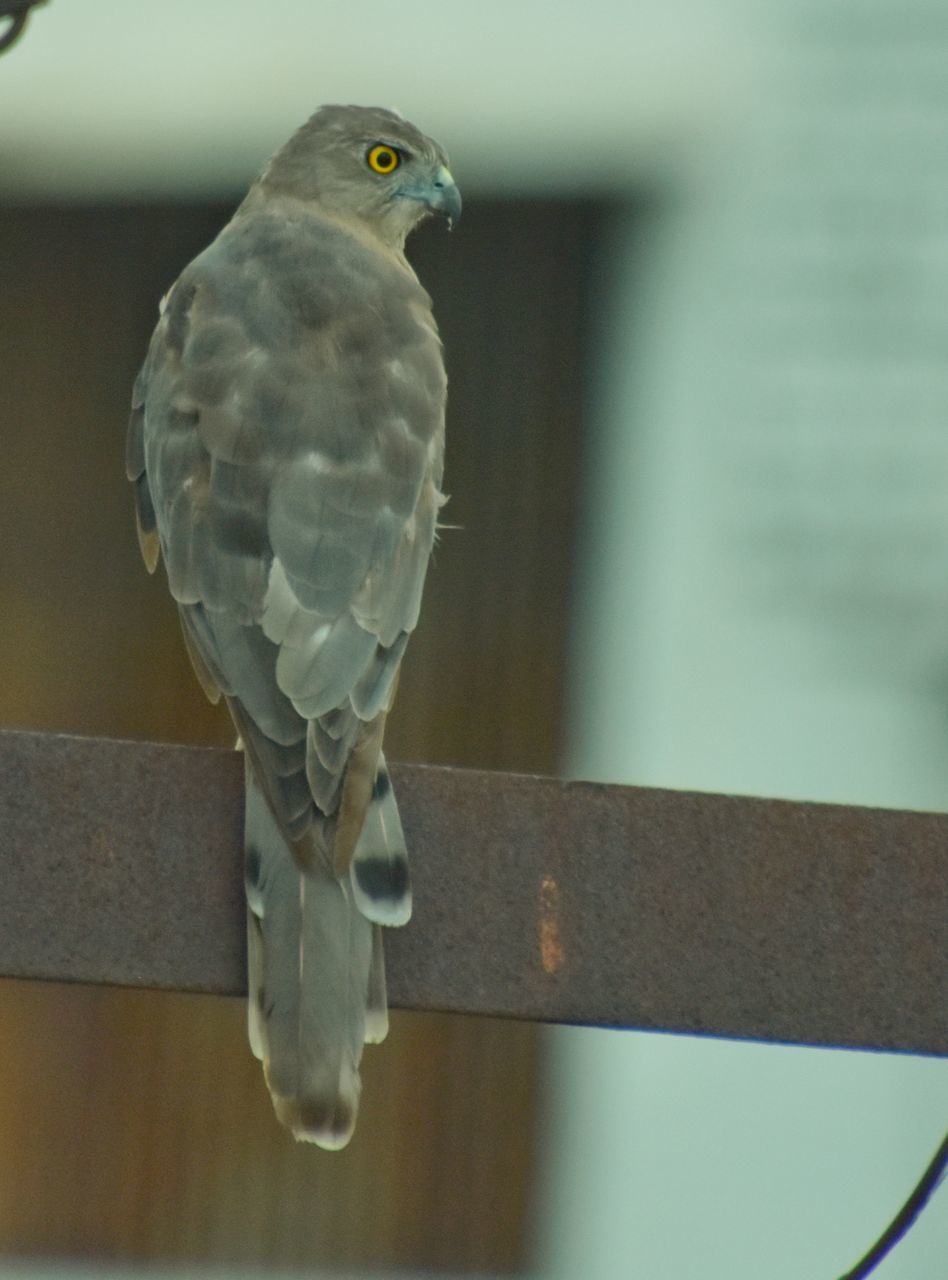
[765, 610]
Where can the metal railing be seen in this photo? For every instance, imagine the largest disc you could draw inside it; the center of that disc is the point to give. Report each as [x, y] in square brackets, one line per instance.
[537, 899]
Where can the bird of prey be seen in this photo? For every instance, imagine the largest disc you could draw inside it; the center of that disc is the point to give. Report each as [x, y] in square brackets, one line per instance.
[286, 446]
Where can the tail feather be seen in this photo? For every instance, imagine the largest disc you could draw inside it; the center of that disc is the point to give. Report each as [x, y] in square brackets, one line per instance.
[376, 1011]
[379, 870]
[310, 955]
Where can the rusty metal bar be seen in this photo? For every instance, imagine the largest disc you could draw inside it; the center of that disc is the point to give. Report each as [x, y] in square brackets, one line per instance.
[537, 899]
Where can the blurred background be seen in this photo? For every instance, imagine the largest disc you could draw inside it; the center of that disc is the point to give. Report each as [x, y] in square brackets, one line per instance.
[697, 343]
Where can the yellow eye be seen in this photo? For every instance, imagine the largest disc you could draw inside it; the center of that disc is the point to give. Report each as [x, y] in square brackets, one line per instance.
[383, 159]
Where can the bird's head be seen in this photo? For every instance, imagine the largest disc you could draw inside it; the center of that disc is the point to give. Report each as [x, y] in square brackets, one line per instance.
[369, 164]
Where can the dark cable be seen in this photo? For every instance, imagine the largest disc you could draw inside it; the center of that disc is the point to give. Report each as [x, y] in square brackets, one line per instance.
[905, 1217]
[16, 12]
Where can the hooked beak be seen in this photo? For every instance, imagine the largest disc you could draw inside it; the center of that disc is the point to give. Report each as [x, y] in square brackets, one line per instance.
[445, 197]
[441, 196]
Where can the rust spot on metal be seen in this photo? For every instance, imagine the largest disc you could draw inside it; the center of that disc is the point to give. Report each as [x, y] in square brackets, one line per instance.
[552, 954]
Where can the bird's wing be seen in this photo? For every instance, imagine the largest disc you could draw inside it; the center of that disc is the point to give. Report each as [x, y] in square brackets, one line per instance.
[287, 450]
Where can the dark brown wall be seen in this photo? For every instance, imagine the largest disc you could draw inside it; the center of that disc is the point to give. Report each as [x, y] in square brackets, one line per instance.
[135, 1125]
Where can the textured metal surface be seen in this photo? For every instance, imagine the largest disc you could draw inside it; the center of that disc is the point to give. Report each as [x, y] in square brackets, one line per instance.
[567, 902]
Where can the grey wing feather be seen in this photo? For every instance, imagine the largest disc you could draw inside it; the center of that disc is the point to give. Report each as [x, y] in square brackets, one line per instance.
[135, 470]
[376, 688]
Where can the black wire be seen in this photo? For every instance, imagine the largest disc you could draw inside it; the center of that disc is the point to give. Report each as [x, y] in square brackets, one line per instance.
[17, 11]
[905, 1217]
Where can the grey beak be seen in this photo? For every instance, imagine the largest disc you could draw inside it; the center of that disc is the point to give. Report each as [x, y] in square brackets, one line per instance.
[443, 196]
